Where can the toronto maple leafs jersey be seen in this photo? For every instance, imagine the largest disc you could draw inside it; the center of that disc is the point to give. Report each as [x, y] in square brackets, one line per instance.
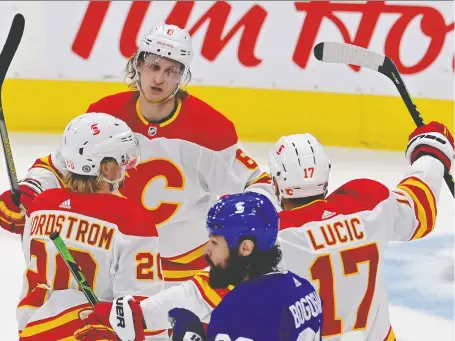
[278, 306]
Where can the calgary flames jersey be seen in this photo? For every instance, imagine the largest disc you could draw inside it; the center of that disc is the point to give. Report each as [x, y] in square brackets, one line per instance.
[113, 240]
[337, 244]
[187, 162]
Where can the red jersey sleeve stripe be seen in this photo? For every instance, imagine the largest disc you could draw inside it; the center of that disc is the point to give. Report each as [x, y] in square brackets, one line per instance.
[424, 205]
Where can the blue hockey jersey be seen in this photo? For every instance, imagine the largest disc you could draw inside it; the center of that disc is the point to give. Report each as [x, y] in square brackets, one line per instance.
[279, 306]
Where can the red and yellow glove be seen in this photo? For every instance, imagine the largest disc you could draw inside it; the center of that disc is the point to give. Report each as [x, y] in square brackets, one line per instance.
[114, 321]
[12, 217]
[432, 139]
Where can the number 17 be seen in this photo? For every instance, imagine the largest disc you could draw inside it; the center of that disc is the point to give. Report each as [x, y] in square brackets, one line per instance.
[308, 172]
[322, 270]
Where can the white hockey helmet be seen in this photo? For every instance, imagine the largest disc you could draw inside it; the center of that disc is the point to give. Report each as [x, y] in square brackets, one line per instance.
[169, 41]
[299, 166]
[91, 137]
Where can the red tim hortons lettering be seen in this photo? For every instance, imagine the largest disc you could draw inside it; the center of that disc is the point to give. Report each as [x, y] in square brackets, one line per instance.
[432, 25]
[252, 22]
[250, 25]
[89, 28]
[217, 15]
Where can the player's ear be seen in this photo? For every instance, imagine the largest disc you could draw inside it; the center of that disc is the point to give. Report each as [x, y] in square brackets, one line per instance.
[246, 248]
[104, 169]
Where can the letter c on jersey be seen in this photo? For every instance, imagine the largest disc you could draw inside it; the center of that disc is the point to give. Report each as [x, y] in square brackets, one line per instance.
[139, 181]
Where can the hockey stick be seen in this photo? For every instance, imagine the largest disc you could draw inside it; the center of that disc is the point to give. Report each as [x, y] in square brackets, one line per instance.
[343, 53]
[6, 56]
[74, 268]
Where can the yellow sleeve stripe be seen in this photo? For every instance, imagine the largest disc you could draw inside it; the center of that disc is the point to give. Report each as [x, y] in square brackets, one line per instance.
[212, 296]
[264, 178]
[390, 335]
[46, 164]
[51, 323]
[13, 215]
[189, 256]
[179, 275]
[424, 205]
[420, 215]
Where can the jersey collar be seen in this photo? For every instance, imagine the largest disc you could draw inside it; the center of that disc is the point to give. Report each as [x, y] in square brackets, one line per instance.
[165, 121]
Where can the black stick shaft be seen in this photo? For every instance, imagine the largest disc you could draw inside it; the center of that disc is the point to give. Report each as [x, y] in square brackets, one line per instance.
[6, 56]
[390, 70]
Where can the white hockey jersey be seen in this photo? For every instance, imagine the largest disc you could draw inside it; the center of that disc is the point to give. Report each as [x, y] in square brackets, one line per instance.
[187, 162]
[113, 240]
[337, 244]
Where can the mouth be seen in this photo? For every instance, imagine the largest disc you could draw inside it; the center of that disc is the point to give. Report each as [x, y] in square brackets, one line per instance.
[156, 89]
[209, 261]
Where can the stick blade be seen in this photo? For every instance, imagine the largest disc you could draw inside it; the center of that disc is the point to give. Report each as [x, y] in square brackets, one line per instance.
[343, 53]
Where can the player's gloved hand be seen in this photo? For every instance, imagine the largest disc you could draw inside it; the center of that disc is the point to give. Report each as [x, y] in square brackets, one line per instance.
[186, 326]
[118, 320]
[12, 217]
[432, 139]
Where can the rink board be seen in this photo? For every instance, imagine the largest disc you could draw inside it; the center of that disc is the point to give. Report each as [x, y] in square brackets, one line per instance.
[350, 120]
[253, 61]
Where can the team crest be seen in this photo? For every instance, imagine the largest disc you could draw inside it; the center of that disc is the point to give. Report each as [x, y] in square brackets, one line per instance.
[239, 207]
[289, 191]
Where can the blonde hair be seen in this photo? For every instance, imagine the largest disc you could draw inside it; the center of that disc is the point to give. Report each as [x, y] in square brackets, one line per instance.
[85, 183]
[131, 73]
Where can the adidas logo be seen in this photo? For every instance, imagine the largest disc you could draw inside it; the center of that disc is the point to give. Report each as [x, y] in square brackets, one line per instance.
[66, 204]
[327, 214]
[296, 282]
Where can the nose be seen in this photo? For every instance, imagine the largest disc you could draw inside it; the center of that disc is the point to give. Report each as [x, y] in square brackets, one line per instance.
[207, 250]
[159, 77]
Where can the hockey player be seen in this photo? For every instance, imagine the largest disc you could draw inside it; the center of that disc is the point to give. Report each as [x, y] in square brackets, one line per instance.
[337, 241]
[190, 154]
[266, 304]
[104, 232]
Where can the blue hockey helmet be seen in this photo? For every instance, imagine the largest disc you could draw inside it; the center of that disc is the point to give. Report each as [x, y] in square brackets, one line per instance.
[247, 214]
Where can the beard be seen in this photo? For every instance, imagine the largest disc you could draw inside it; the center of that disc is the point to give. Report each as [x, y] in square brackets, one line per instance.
[233, 273]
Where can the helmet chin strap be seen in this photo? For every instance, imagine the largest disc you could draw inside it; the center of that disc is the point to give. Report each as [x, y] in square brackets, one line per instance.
[115, 184]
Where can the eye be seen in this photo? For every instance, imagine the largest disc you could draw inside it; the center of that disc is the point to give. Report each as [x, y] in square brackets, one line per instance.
[172, 72]
[154, 67]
